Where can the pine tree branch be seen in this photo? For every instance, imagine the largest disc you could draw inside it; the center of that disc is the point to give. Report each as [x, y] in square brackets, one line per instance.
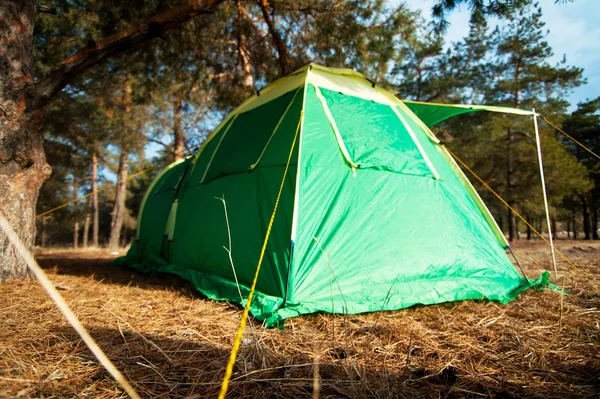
[60, 75]
[280, 46]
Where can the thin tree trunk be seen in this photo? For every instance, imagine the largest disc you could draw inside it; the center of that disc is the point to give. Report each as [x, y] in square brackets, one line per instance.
[528, 229]
[178, 138]
[44, 233]
[568, 229]
[86, 225]
[75, 211]
[118, 213]
[587, 227]
[509, 186]
[95, 209]
[554, 229]
[594, 221]
[574, 224]
[244, 52]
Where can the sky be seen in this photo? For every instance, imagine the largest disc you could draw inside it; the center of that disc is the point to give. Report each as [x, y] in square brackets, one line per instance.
[574, 33]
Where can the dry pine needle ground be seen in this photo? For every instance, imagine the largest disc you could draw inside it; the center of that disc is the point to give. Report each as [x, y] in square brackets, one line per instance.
[172, 343]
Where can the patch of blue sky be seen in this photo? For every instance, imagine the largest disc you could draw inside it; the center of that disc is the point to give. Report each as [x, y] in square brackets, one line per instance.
[574, 34]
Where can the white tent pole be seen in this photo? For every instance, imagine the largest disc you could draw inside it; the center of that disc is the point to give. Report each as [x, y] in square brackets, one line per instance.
[539, 151]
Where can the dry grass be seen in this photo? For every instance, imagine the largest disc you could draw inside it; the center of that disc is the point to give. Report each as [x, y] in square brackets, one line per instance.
[171, 343]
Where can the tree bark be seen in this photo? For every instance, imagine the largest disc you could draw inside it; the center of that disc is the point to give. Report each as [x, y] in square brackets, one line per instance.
[282, 50]
[594, 221]
[95, 209]
[587, 227]
[574, 225]
[509, 185]
[75, 211]
[528, 228]
[178, 137]
[23, 167]
[86, 225]
[43, 233]
[247, 75]
[118, 213]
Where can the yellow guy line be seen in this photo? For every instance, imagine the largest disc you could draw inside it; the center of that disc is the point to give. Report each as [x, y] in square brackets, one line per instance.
[521, 217]
[240, 331]
[565, 133]
[93, 192]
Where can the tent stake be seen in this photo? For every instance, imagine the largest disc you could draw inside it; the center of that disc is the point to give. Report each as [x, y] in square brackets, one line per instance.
[539, 151]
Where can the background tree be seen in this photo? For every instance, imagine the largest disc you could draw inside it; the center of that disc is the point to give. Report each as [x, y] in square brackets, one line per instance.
[23, 101]
[584, 125]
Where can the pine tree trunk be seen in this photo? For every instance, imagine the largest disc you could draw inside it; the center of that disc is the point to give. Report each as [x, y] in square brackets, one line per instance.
[86, 225]
[244, 52]
[594, 221]
[587, 227]
[574, 224]
[75, 211]
[23, 166]
[43, 235]
[509, 185]
[554, 229]
[118, 213]
[528, 229]
[282, 50]
[95, 209]
[178, 139]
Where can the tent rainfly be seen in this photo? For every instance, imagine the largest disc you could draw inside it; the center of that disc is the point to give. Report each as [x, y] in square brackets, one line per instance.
[374, 213]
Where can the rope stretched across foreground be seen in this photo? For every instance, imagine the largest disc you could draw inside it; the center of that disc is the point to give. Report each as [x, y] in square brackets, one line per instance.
[64, 308]
[520, 217]
[240, 331]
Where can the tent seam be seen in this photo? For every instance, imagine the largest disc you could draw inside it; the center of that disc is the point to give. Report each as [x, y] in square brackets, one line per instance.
[335, 129]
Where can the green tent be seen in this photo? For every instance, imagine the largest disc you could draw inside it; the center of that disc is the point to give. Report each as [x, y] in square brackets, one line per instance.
[374, 213]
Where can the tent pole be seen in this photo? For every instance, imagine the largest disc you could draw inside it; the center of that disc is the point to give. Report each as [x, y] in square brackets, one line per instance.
[539, 151]
[518, 263]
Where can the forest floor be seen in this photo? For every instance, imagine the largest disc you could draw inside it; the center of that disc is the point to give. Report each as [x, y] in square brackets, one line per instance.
[172, 343]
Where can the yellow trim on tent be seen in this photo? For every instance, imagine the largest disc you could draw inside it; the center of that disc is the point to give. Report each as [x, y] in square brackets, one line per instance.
[416, 141]
[335, 129]
[216, 149]
[255, 164]
[489, 108]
